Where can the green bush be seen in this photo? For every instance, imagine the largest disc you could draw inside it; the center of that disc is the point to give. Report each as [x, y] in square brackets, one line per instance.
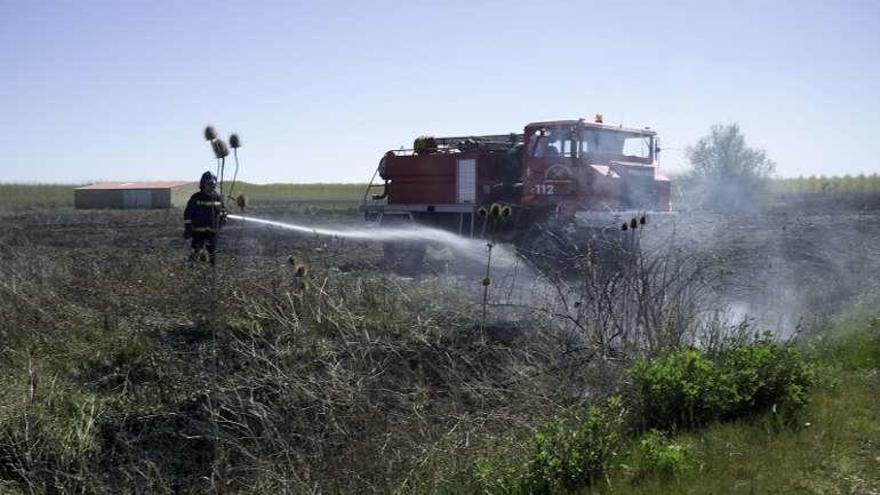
[659, 455]
[686, 389]
[564, 456]
[565, 459]
[764, 375]
[679, 389]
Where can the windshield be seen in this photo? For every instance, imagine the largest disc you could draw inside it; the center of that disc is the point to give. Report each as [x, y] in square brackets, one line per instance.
[558, 142]
[616, 143]
[551, 143]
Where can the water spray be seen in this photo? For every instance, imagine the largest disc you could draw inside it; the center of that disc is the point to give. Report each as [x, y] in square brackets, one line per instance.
[472, 248]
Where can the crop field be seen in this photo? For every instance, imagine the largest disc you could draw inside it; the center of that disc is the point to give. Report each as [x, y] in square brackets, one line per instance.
[42, 195]
[828, 189]
[306, 364]
[36, 195]
[274, 193]
[847, 183]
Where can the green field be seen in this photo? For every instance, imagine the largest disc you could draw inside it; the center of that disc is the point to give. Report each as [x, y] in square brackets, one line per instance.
[822, 184]
[23, 195]
[29, 195]
[352, 192]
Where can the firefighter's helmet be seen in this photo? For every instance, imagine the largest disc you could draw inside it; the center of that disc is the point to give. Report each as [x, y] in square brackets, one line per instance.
[207, 179]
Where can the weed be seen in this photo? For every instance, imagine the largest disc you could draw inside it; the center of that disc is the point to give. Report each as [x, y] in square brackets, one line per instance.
[566, 458]
[659, 455]
[565, 455]
[49, 442]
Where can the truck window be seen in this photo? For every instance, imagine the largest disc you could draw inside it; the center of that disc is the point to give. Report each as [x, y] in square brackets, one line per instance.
[616, 143]
[551, 143]
[637, 146]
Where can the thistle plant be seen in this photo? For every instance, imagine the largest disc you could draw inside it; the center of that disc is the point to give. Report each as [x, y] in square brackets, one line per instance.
[493, 215]
[241, 201]
[221, 151]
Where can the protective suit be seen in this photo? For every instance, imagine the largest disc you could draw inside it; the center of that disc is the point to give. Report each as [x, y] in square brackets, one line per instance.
[203, 217]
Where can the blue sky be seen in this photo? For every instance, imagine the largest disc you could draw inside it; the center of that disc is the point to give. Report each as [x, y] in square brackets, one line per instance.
[109, 90]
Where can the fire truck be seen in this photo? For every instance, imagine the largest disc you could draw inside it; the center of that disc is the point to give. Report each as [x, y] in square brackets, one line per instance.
[566, 172]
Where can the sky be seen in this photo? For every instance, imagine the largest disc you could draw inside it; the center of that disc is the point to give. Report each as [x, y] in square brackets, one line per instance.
[318, 91]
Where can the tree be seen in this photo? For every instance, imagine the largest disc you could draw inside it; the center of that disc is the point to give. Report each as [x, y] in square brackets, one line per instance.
[727, 174]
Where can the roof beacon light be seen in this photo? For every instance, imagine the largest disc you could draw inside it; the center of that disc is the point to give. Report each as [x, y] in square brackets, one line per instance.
[598, 118]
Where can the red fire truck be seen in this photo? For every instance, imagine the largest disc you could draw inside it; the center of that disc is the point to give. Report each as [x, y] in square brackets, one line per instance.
[589, 173]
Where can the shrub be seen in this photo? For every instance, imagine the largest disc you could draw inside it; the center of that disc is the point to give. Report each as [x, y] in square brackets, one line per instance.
[687, 389]
[564, 455]
[565, 459]
[764, 375]
[679, 389]
[662, 456]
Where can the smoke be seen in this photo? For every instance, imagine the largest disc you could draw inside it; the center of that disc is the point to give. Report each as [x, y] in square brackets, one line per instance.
[786, 266]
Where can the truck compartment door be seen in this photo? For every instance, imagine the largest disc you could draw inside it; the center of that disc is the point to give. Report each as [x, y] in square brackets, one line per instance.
[466, 180]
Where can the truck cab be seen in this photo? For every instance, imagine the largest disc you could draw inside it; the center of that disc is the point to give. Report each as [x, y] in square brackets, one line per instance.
[589, 166]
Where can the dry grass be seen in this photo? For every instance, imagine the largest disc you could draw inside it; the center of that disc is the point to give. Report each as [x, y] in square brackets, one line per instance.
[153, 375]
[124, 369]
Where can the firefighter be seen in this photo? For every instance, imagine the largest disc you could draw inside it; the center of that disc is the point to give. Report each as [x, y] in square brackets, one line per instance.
[203, 217]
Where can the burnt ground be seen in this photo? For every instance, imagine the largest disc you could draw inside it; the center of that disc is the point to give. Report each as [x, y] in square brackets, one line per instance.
[805, 255]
